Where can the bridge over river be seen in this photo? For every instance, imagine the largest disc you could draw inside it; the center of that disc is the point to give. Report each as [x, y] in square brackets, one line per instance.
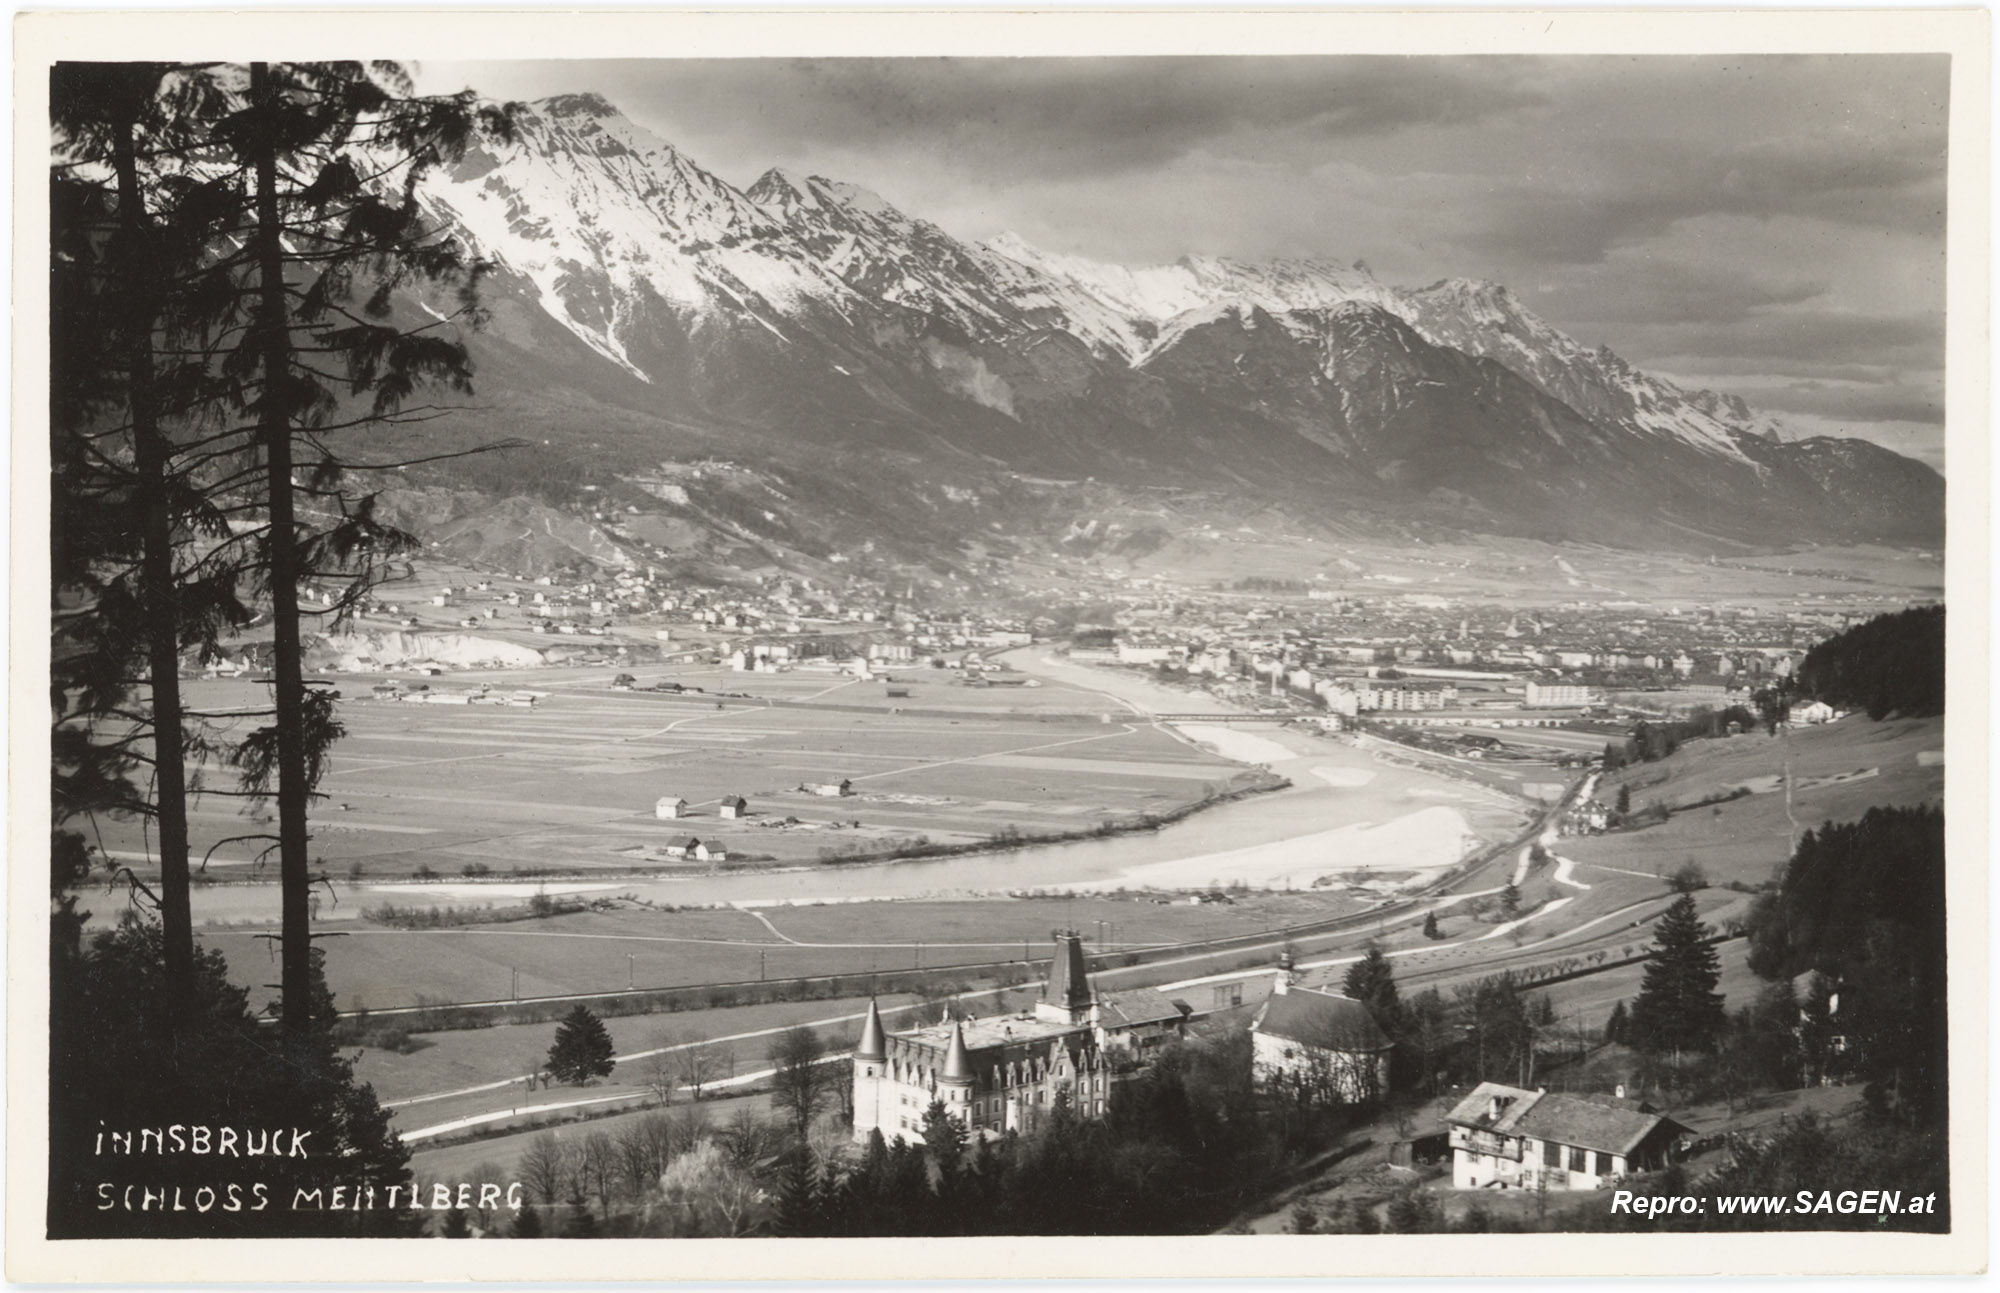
[1225, 718]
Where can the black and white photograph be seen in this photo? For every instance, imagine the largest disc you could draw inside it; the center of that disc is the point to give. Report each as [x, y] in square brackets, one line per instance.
[941, 643]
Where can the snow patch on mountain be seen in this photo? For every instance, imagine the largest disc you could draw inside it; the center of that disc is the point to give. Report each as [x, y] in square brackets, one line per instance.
[601, 216]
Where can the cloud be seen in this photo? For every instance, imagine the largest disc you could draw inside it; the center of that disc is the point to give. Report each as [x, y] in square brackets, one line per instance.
[1051, 118]
[1817, 337]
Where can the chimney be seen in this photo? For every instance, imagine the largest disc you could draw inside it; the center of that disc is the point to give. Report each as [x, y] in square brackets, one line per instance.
[1287, 973]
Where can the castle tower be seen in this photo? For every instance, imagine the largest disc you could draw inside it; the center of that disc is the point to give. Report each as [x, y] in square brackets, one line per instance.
[871, 1063]
[955, 1080]
[1067, 998]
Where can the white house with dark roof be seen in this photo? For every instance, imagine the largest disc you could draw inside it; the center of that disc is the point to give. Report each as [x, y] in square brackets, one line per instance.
[1006, 1073]
[1318, 1044]
[669, 807]
[1505, 1137]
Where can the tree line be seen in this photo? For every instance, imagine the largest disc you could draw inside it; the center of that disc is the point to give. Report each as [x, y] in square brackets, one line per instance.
[234, 249]
[1893, 664]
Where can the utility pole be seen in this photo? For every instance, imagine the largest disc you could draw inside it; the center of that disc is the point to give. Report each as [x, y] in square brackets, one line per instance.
[630, 973]
[514, 983]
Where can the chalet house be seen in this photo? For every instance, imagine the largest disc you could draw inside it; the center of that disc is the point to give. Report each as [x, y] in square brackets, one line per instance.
[734, 806]
[829, 789]
[1320, 1045]
[707, 851]
[680, 846]
[1810, 713]
[670, 807]
[1505, 1137]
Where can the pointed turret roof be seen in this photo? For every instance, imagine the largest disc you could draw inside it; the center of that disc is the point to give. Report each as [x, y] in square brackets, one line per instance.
[872, 1046]
[957, 1062]
[1069, 983]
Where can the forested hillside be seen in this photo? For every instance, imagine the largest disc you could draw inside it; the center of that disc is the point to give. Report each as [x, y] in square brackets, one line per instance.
[1893, 664]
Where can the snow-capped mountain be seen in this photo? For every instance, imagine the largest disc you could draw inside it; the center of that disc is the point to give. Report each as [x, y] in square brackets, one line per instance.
[810, 319]
[614, 227]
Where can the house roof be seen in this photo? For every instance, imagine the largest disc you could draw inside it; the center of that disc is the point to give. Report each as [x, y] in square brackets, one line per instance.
[682, 842]
[1323, 1019]
[1135, 1006]
[1587, 1122]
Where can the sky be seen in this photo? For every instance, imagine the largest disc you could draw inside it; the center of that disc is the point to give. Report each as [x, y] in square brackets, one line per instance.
[1772, 227]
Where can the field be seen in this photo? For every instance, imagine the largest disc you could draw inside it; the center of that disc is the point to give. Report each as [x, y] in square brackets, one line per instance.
[377, 968]
[1840, 771]
[571, 784]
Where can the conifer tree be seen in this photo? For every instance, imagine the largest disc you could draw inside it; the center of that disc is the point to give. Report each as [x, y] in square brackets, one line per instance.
[332, 153]
[582, 1048]
[1510, 899]
[944, 1137]
[1615, 1026]
[1372, 982]
[1431, 925]
[801, 1198]
[1678, 1008]
[527, 1223]
[1624, 800]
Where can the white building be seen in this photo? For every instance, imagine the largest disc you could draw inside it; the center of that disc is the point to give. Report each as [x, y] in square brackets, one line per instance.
[1559, 696]
[1321, 1045]
[1505, 1137]
[670, 807]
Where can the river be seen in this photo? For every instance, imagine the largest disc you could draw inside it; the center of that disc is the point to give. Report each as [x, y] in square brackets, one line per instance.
[1346, 811]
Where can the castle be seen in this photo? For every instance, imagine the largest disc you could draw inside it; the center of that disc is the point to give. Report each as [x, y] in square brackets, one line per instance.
[1006, 1073]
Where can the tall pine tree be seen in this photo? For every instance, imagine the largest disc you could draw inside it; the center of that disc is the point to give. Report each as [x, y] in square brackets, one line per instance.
[1371, 982]
[1678, 1008]
[582, 1048]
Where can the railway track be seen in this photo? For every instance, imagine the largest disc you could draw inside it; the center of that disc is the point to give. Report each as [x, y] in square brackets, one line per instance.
[1108, 963]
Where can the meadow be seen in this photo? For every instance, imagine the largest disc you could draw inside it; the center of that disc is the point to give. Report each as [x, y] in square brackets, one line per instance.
[497, 791]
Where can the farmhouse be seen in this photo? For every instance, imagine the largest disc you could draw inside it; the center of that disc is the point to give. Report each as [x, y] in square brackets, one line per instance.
[1321, 1045]
[1509, 1138]
[711, 851]
[1811, 713]
[734, 806]
[680, 846]
[1007, 1073]
[829, 789]
[669, 807]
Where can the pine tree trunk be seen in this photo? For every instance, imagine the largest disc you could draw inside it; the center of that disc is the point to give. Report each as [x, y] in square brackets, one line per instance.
[159, 594]
[294, 877]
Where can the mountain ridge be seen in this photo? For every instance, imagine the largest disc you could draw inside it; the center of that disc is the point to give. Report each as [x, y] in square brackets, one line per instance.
[823, 319]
